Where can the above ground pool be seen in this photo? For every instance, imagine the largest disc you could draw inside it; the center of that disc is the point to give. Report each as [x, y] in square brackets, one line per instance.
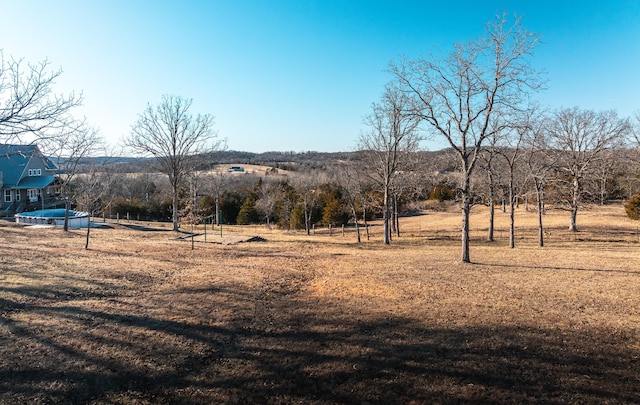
[77, 219]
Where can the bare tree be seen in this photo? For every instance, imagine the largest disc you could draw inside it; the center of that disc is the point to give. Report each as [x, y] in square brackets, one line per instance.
[635, 127]
[214, 183]
[607, 172]
[629, 161]
[349, 179]
[581, 137]
[632, 172]
[190, 211]
[69, 150]
[391, 137]
[306, 186]
[268, 196]
[491, 166]
[541, 164]
[512, 153]
[175, 138]
[29, 109]
[459, 97]
[91, 187]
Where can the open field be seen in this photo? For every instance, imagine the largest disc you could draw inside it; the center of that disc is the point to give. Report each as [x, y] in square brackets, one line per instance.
[141, 318]
[248, 168]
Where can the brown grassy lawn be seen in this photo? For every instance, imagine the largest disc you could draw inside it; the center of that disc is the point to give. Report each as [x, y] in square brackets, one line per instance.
[140, 318]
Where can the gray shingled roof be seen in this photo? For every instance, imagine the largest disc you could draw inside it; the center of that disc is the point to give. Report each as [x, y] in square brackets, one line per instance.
[13, 161]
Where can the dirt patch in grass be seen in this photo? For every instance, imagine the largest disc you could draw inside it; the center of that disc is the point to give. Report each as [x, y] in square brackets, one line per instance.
[141, 318]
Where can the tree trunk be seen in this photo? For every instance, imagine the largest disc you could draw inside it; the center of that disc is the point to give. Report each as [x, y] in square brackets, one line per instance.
[176, 224]
[86, 244]
[355, 218]
[573, 227]
[492, 202]
[603, 191]
[217, 209]
[307, 220]
[466, 209]
[574, 205]
[392, 216]
[67, 207]
[512, 222]
[492, 214]
[540, 202]
[396, 217]
[387, 209]
[364, 218]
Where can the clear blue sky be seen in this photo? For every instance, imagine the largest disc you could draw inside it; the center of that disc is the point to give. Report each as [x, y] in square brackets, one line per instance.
[300, 75]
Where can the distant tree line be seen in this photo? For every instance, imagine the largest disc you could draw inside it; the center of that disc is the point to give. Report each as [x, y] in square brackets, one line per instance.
[302, 199]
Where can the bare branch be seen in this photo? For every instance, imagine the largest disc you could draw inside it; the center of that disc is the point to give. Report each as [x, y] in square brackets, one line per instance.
[29, 108]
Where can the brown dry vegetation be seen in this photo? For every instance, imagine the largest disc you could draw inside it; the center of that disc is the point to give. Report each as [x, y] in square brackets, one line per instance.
[140, 318]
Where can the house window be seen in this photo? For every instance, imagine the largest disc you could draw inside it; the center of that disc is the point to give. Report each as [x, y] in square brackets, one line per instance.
[7, 195]
[33, 194]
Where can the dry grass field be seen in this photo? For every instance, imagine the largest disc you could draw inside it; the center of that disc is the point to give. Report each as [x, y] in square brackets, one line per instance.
[142, 318]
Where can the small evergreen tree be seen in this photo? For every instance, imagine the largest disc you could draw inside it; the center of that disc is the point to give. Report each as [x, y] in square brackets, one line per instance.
[442, 192]
[632, 207]
[248, 213]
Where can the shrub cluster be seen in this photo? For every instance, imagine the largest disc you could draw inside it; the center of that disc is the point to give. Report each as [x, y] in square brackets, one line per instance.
[632, 207]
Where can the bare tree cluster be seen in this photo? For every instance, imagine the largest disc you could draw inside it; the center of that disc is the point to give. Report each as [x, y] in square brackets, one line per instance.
[472, 95]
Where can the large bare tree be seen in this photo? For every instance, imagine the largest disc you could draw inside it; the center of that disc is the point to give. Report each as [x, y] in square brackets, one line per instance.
[392, 136]
[176, 139]
[582, 137]
[459, 96]
[29, 108]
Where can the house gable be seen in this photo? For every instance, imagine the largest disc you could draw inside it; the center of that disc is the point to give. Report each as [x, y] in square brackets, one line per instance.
[27, 179]
[19, 162]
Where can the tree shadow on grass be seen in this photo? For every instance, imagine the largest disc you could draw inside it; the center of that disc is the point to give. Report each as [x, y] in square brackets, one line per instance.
[300, 352]
[144, 228]
[595, 270]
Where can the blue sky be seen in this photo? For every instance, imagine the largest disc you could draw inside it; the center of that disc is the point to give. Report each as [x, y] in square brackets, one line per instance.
[301, 75]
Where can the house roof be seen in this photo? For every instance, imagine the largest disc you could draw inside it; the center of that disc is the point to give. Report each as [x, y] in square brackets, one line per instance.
[35, 182]
[15, 158]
